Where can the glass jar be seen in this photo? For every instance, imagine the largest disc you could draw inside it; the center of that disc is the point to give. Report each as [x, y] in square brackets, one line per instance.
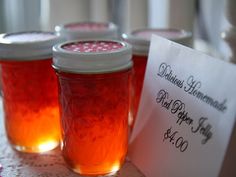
[29, 90]
[94, 89]
[87, 30]
[140, 41]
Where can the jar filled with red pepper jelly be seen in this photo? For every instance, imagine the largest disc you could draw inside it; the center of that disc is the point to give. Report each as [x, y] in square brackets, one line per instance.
[87, 30]
[94, 89]
[29, 91]
[140, 41]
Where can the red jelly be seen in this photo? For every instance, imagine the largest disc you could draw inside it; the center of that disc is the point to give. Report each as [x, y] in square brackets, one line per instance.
[94, 87]
[30, 94]
[140, 41]
[87, 30]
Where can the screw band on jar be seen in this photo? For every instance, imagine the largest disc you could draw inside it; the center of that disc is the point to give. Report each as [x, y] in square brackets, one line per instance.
[99, 56]
[87, 30]
[27, 45]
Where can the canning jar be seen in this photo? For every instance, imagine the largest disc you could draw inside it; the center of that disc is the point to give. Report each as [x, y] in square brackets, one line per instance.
[94, 88]
[140, 41]
[87, 30]
[29, 91]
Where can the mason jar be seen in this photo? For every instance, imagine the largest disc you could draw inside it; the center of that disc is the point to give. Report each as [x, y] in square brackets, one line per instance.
[29, 90]
[94, 88]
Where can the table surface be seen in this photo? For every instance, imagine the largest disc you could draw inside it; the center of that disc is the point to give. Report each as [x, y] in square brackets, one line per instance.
[49, 164]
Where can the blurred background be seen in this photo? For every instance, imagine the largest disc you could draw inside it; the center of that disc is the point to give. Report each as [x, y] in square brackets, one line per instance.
[204, 18]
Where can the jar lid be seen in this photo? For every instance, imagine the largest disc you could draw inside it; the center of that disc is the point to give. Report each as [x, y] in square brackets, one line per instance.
[27, 45]
[140, 39]
[92, 56]
[87, 30]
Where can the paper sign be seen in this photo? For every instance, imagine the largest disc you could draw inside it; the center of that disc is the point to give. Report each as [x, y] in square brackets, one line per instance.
[186, 115]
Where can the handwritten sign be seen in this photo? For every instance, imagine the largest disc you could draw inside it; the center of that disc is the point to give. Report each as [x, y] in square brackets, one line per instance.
[186, 115]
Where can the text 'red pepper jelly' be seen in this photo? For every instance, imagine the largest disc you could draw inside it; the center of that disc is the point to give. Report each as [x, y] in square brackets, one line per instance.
[140, 41]
[87, 30]
[30, 93]
[94, 89]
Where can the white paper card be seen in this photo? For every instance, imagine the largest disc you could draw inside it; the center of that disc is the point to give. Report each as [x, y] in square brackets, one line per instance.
[186, 114]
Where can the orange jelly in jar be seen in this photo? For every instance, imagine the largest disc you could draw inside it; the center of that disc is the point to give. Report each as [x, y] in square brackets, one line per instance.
[30, 92]
[140, 62]
[94, 91]
[140, 41]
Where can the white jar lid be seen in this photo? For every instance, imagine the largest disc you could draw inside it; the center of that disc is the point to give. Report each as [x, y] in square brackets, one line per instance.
[32, 45]
[87, 30]
[92, 56]
[140, 39]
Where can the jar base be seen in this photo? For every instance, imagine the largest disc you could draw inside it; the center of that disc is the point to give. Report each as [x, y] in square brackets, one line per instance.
[37, 149]
[87, 171]
[110, 173]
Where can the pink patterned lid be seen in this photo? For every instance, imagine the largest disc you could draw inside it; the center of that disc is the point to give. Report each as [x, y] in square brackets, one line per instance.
[93, 46]
[140, 39]
[166, 33]
[87, 30]
[95, 26]
[27, 37]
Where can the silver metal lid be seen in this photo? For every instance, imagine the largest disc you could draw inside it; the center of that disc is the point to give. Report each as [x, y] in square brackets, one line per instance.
[140, 39]
[92, 56]
[87, 30]
[31, 45]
